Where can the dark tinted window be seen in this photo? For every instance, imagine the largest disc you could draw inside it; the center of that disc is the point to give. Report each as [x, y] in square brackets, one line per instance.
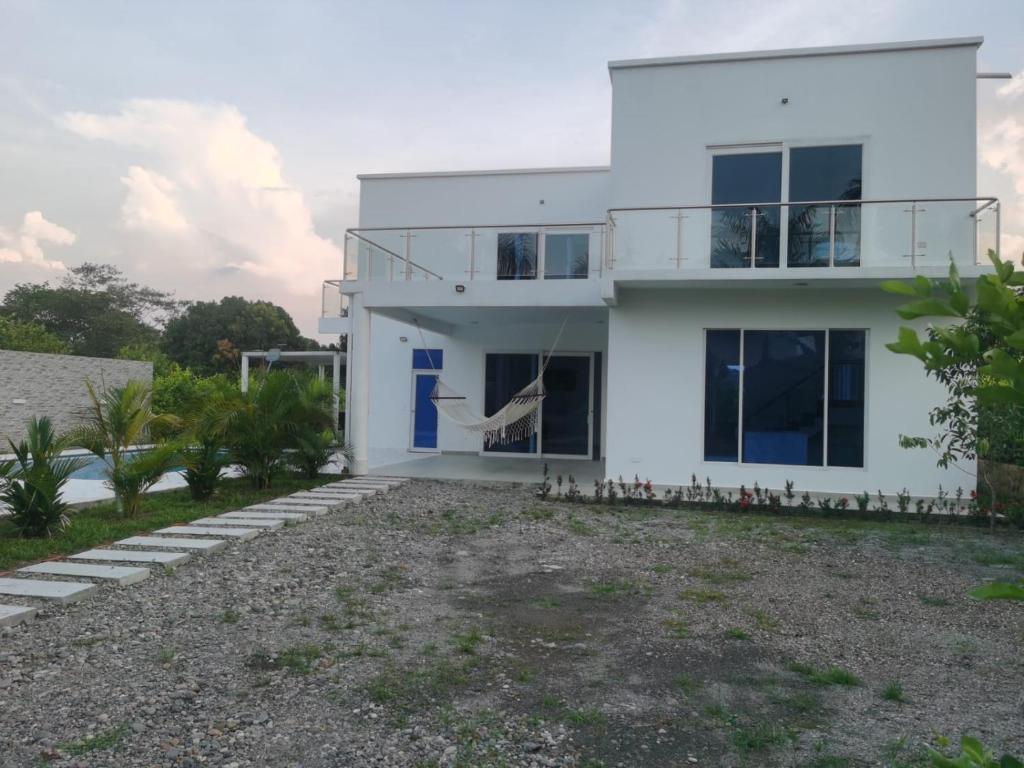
[745, 178]
[517, 255]
[721, 396]
[846, 351]
[824, 173]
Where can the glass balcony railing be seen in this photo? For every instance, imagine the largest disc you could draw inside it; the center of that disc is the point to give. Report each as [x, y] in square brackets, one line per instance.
[520, 252]
[333, 303]
[815, 234]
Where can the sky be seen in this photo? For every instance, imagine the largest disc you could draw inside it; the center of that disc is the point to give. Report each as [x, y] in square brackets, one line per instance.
[211, 148]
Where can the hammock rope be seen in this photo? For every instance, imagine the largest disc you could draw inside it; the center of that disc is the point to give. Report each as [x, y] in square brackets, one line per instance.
[514, 421]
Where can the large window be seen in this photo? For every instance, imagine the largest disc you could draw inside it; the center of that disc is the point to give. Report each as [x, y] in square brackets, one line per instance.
[566, 256]
[517, 255]
[748, 195]
[745, 178]
[824, 173]
[772, 408]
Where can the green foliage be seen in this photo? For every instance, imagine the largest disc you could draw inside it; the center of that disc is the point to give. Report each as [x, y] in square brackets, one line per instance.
[209, 336]
[999, 591]
[147, 352]
[31, 483]
[204, 463]
[978, 355]
[314, 437]
[119, 419]
[20, 336]
[94, 311]
[258, 427]
[973, 755]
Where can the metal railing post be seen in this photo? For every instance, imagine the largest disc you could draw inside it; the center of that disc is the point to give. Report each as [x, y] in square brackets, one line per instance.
[831, 235]
[408, 247]
[753, 238]
[610, 250]
[679, 216]
[472, 252]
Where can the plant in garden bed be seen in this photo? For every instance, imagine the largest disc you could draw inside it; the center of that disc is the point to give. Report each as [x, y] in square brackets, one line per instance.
[118, 420]
[31, 483]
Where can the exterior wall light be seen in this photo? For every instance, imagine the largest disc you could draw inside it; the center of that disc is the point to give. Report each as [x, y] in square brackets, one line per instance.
[460, 288]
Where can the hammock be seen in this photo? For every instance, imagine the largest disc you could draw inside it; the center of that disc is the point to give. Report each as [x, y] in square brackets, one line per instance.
[516, 420]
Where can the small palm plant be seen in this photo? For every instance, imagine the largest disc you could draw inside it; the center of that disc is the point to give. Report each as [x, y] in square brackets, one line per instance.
[118, 421]
[31, 484]
[204, 463]
[257, 426]
[314, 439]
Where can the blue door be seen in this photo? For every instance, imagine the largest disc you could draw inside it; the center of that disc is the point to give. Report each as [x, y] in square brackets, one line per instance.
[424, 416]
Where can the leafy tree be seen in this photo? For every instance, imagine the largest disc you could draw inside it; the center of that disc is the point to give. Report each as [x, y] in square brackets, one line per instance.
[32, 483]
[118, 421]
[978, 353]
[209, 336]
[95, 311]
[147, 352]
[28, 337]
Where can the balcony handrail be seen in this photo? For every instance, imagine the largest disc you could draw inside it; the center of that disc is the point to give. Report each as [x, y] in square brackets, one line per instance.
[408, 262]
[569, 225]
[987, 201]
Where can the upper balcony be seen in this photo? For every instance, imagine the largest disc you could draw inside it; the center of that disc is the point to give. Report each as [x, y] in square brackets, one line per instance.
[845, 242]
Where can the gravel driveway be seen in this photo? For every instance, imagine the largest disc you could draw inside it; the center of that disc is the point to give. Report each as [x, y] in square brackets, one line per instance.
[464, 624]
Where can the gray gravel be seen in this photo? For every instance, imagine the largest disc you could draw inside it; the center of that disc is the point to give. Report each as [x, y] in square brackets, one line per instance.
[458, 624]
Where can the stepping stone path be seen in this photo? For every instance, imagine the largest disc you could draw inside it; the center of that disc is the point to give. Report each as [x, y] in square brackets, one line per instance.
[15, 614]
[246, 522]
[59, 591]
[172, 546]
[121, 575]
[197, 530]
[168, 560]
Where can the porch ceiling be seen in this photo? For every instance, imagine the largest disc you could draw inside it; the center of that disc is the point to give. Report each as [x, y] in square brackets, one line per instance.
[453, 316]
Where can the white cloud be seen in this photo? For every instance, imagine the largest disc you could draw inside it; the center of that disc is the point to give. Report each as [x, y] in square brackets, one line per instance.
[208, 193]
[151, 203]
[1012, 89]
[25, 245]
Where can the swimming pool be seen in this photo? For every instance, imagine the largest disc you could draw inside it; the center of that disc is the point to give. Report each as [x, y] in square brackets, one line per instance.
[95, 469]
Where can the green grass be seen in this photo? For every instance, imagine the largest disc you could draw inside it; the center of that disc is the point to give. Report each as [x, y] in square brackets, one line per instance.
[826, 676]
[676, 628]
[702, 596]
[299, 659]
[893, 691]
[759, 737]
[686, 684]
[934, 601]
[764, 621]
[612, 589]
[100, 524]
[229, 616]
[105, 740]
[724, 572]
[466, 642]
[735, 633]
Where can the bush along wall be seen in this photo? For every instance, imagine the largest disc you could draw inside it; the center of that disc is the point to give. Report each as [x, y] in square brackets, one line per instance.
[947, 506]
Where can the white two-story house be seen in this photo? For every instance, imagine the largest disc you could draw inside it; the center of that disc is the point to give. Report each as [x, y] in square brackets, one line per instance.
[718, 281]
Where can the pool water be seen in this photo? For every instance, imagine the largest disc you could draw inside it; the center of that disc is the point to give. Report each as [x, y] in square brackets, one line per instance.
[95, 469]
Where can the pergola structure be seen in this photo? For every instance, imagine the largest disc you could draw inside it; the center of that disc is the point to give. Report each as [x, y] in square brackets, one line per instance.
[335, 359]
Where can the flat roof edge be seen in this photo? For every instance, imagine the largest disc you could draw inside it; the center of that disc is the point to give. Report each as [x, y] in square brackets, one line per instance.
[494, 172]
[791, 53]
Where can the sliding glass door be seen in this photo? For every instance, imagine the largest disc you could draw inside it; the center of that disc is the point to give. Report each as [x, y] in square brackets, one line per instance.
[739, 231]
[564, 424]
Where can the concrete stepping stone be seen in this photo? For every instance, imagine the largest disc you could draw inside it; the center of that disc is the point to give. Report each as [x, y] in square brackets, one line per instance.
[11, 615]
[388, 478]
[120, 575]
[309, 510]
[58, 591]
[289, 518]
[244, 534]
[360, 487]
[366, 482]
[331, 493]
[199, 545]
[335, 493]
[168, 560]
[248, 522]
[312, 499]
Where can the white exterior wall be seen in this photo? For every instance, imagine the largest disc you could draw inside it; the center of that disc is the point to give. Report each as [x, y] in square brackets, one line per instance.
[655, 390]
[464, 358]
[913, 111]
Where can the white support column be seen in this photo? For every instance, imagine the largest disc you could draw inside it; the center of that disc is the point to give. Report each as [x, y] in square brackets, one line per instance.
[336, 387]
[245, 373]
[358, 405]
